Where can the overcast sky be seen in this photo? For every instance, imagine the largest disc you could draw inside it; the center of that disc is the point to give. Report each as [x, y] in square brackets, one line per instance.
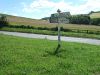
[43, 8]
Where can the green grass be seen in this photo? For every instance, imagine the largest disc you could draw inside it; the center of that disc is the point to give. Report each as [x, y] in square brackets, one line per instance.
[23, 56]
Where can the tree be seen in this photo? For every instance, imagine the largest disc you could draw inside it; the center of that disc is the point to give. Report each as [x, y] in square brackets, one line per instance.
[95, 21]
[3, 21]
[80, 19]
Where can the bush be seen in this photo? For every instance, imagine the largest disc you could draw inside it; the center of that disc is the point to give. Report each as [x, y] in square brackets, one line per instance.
[80, 19]
[3, 21]
[95, 21]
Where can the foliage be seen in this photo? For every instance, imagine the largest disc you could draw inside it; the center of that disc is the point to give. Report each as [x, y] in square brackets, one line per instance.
[95, 21]
[22, 56]
[55, 29]
[45, 18]
[80, 19]
[3, 21]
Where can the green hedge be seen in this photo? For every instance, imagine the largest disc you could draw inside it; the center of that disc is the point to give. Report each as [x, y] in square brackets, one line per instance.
[53, 29]
[3, 21]
[80, 19]
[95, 21]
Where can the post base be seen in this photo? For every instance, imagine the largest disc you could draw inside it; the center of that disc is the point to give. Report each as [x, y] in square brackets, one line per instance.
[57, 49]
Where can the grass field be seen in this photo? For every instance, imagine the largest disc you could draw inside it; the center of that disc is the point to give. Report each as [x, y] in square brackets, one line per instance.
[22, 56]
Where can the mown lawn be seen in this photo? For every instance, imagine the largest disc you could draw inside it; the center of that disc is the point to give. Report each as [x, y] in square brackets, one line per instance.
[22, 56]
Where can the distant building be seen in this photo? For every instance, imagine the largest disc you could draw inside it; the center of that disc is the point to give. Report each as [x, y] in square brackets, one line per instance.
[63, 17]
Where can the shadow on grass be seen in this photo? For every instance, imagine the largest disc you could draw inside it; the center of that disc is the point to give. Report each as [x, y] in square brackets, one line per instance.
[57, 49]
[58, 52]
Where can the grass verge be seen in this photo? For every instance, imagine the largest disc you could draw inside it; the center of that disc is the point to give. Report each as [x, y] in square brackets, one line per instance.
[49, 32]
[22, 56]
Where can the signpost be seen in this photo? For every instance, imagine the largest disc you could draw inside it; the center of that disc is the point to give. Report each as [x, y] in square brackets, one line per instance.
[59, 38]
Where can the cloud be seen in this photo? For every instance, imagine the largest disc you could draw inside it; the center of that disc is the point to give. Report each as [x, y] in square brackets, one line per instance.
[89, 5]
[48, 7]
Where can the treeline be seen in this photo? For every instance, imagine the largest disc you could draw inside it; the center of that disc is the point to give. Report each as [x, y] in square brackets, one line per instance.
[95, 21]
[84, 19]
[80, 19]
[46, 18]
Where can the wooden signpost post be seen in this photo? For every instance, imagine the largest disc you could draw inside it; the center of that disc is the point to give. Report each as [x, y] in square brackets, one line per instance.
[59, 36]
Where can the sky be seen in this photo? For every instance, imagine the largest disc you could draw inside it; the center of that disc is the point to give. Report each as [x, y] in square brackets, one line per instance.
[38, 9]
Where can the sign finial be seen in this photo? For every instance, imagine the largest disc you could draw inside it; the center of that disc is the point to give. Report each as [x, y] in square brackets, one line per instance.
[59, 11]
